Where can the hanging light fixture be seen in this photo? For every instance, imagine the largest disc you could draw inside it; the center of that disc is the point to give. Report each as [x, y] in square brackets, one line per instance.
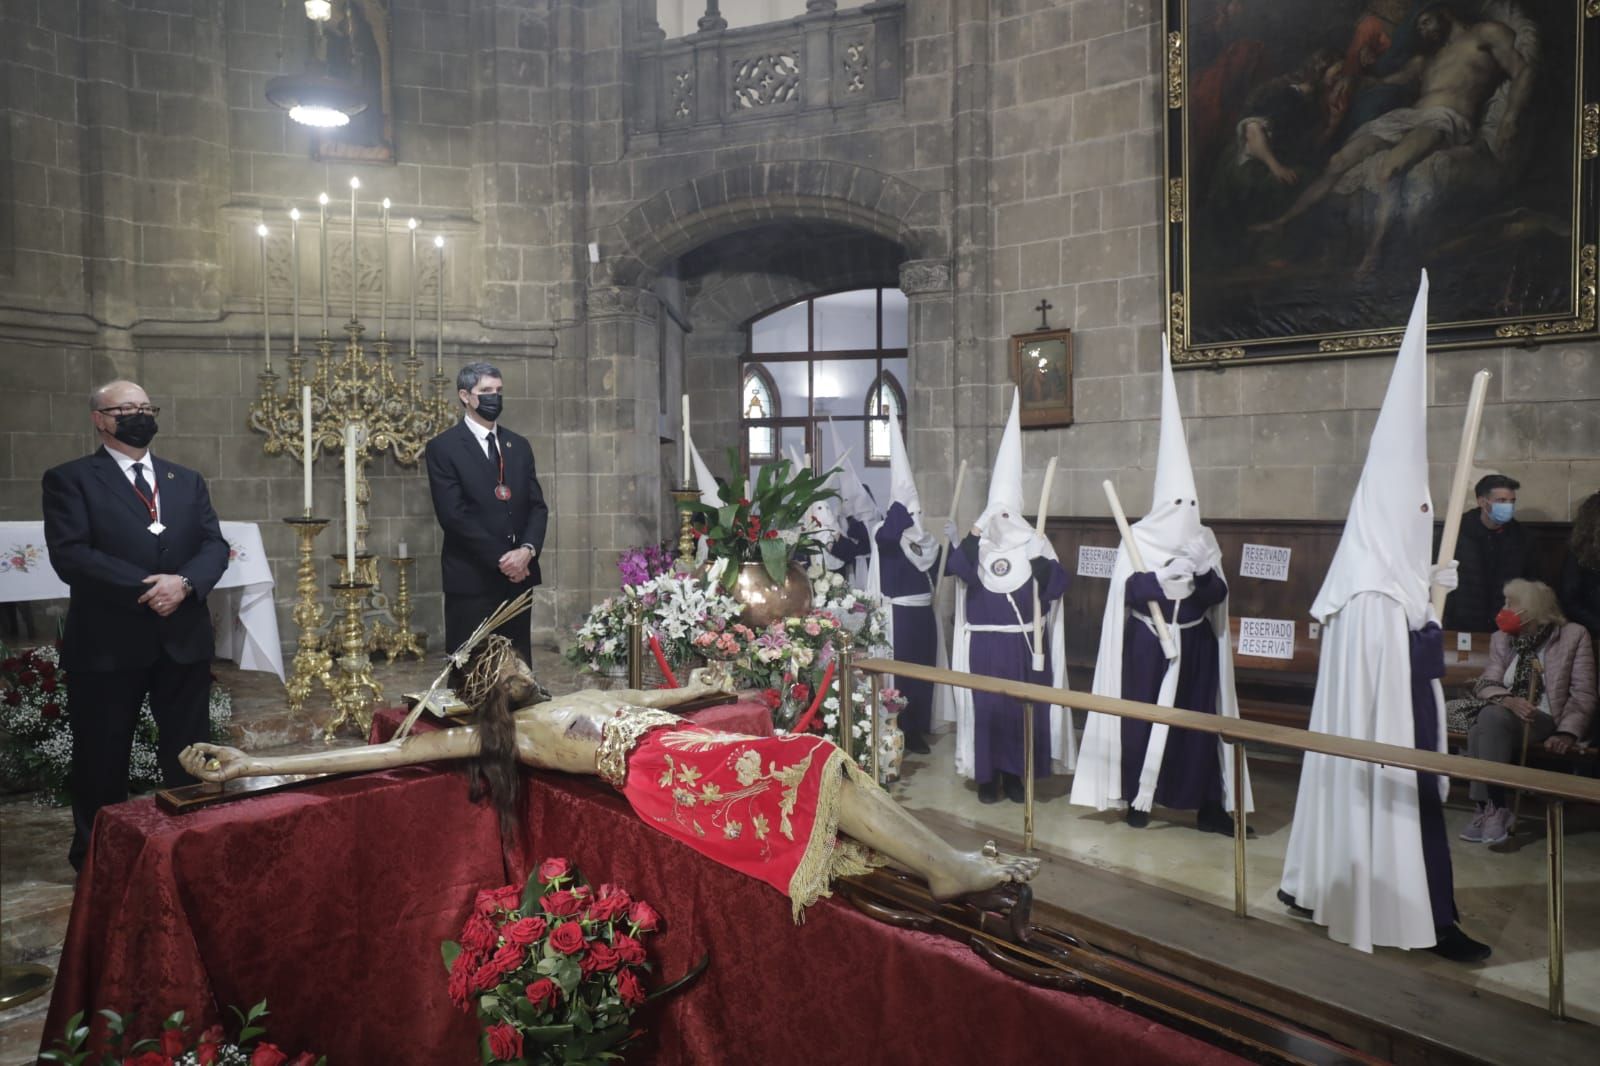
[313, 98]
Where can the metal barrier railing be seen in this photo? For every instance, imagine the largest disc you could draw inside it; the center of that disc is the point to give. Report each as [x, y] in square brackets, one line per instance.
[1557, 788]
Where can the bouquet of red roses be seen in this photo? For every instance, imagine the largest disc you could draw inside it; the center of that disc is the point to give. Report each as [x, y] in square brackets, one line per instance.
[553, 967]
[176, 1046]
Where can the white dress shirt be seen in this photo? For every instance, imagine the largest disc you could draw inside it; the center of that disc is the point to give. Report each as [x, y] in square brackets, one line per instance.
[482, 435]
[125, 462]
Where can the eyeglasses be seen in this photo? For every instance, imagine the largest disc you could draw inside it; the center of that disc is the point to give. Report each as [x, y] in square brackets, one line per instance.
[131, 409]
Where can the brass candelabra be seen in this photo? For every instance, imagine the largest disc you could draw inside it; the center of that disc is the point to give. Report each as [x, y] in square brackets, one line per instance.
[680, 496]
[399, 639]
[353, 686]
[312, 663]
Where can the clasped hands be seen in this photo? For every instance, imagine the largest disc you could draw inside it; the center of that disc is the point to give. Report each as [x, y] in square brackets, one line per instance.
[165, 593]
[514, 564]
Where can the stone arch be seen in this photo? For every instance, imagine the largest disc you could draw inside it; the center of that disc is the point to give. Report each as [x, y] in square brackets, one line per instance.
[679, 219]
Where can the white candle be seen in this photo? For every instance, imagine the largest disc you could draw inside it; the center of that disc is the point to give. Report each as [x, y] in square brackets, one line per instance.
[683, 462]
[411, 284]
[306, 451]
[294, 270]
[383, 274]
[350, 503]
[322, 260]
[266, 319]
[438, 351]
[355, 183]
[402, 552]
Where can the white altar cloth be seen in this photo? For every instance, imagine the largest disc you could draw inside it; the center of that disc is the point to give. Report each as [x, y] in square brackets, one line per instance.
[242, 611]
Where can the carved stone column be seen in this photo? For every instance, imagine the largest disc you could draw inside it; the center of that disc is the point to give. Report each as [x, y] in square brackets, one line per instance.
[927, 284]
[712, 20]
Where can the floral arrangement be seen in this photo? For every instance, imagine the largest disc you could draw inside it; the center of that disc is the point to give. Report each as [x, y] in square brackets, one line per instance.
[761, 523]
[677, 609]
[638, 565]
[37, 744]
[553, 968]
[175, 1046]
[600, 642]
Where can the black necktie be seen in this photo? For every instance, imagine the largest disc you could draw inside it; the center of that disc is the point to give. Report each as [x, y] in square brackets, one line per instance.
[141, 484]
[494, 450]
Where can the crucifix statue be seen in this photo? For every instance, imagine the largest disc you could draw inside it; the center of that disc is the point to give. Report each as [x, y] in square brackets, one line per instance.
[1044, 307]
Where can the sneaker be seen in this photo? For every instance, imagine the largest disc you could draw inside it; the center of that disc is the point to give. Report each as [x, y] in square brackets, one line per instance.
[1294, 907]
[989, 791]
[1013, 787]
[1498, 825]
[1138, 819]
[1473, 833]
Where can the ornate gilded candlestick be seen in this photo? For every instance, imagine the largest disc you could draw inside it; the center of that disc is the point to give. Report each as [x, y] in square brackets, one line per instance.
[353, 686]
[312, 663]
[847, 691]
[680, 496]
[402, 639]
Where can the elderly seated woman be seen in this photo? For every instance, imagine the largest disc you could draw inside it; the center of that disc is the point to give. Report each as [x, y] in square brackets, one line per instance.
[1540, 677]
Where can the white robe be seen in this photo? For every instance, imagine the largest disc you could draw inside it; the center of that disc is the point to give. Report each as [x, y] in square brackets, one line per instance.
[1098, 782]
[1355, 850]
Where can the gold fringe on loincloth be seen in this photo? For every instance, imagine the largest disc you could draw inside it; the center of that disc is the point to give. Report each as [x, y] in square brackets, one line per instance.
[827, 856]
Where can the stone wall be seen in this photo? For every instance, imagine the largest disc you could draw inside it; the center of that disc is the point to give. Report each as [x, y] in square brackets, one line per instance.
[1003, 151]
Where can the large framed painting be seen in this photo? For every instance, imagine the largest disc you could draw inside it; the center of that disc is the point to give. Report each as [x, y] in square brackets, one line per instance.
[1321, 153]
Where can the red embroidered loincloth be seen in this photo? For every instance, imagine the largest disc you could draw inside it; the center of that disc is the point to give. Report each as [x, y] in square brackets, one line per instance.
[765, 806]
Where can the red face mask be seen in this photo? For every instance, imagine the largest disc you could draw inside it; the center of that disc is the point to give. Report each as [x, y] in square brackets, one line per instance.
[1508, 621]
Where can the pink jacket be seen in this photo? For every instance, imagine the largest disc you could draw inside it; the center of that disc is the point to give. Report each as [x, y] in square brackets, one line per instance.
[1569, 677]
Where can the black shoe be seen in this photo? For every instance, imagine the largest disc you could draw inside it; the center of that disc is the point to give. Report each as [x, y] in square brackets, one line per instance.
[1138, 819]
[917, 744]
[989, 791]
[1011, 784]
[1457, 946]
[1213, 819]
[1294, 908]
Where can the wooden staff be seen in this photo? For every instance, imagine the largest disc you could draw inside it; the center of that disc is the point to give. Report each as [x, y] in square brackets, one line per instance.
[1136, 557]
[1458, 487]
[1038, 616]
[944, 549]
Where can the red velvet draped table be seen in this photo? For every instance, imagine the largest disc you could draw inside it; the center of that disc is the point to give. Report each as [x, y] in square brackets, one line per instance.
[331, 900]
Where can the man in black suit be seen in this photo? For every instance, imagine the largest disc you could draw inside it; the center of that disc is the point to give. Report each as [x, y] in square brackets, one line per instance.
[486, 496]
[136, 540]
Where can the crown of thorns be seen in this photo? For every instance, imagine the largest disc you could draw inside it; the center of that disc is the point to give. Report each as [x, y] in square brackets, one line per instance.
[494, 659]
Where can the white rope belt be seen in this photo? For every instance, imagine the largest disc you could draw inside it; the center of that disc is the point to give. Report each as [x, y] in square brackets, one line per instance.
[919, 599]
[1151, 626]
[999, 629]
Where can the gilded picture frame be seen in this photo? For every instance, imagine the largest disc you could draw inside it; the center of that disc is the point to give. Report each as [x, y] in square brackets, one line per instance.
[1319, 154]
[1041, 367]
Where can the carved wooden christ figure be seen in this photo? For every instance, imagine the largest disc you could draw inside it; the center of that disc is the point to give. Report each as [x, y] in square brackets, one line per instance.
[792, 810]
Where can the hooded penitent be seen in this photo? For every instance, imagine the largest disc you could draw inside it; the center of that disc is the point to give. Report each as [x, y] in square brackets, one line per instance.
[1172, 522]
[857, 516]
[1356, 854]
[820, 519]
[1007, 546]
[710, 494]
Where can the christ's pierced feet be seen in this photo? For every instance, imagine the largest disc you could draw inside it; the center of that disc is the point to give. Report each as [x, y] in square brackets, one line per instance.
[980, 871]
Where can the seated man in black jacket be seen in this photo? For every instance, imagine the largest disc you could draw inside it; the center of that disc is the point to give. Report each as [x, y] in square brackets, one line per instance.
[1493, 548]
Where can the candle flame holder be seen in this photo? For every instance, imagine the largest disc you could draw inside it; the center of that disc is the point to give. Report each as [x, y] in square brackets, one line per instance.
[353, 686]
[312, 663]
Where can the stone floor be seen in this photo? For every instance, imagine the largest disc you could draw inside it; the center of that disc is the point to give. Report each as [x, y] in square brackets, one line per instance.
[1501, 893]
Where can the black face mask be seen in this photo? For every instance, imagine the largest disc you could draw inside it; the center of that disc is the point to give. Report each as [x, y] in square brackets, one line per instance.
[136, 430]
[489, 406]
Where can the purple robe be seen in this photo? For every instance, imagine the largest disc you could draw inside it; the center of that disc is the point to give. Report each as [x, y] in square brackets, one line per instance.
[851, 545]
[916, 634]
[1427, 664]
[997, 740]
[1191, 767]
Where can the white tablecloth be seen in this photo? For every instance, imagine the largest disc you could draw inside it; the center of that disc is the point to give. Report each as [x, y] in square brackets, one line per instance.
[242, 611]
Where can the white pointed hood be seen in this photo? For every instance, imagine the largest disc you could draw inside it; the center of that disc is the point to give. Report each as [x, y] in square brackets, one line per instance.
[710, 491]
[854, 501]
[1006, 541]
[820, 518]
[1388, 534]
[1174, 516]
[902, 484]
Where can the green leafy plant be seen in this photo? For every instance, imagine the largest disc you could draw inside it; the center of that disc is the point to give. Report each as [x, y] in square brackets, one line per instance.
[175, 1046]
[762, 522]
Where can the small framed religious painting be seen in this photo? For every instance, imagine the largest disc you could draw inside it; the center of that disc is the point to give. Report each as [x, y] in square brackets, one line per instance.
[1041, 365]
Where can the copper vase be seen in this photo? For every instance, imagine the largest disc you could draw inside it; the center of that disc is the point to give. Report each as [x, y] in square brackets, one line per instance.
[766, 601]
